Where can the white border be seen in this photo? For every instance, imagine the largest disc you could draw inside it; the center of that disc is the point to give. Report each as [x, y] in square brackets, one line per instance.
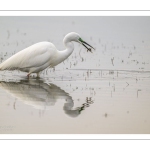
[74, 5]
[77, 136]
[74, 13]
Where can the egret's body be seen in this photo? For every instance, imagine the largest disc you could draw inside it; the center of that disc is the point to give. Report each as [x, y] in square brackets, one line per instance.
[41, 55]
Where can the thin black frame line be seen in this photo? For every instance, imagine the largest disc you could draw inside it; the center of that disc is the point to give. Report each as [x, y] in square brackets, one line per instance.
[74, 10]
[75, 139]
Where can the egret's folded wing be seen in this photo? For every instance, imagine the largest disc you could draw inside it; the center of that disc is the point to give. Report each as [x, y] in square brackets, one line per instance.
[33, 56]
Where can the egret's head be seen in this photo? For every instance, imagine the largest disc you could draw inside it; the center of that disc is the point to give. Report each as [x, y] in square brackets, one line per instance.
[76, 37]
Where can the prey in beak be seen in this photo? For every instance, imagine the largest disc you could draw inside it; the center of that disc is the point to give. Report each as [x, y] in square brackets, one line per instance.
[85, 45]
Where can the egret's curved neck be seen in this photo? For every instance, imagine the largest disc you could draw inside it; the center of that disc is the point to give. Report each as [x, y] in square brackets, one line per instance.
[69, 45]
[68, 51]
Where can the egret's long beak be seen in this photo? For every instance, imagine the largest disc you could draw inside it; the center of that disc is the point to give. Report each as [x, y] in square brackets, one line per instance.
[85, 45]
[88, 49]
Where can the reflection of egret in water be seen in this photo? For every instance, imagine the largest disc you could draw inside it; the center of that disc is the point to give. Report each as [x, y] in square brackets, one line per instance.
[69, 105]
[41, 96]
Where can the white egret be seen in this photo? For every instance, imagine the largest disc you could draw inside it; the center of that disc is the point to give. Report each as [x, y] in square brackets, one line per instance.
[42, 55]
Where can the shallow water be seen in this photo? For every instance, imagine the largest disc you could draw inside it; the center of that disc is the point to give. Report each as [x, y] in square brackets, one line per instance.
[107, 91]
[101, 102]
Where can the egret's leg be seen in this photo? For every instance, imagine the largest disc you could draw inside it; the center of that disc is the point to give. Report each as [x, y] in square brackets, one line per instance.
[38, 75]
[28, 75]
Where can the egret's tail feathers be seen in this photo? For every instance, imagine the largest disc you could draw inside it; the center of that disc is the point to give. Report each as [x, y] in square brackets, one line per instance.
[1, 67]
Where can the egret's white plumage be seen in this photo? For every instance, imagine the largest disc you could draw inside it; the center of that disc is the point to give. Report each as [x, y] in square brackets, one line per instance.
[42, 55]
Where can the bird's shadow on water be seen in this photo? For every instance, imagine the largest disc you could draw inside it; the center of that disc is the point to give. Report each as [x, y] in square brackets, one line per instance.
[40, 95]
